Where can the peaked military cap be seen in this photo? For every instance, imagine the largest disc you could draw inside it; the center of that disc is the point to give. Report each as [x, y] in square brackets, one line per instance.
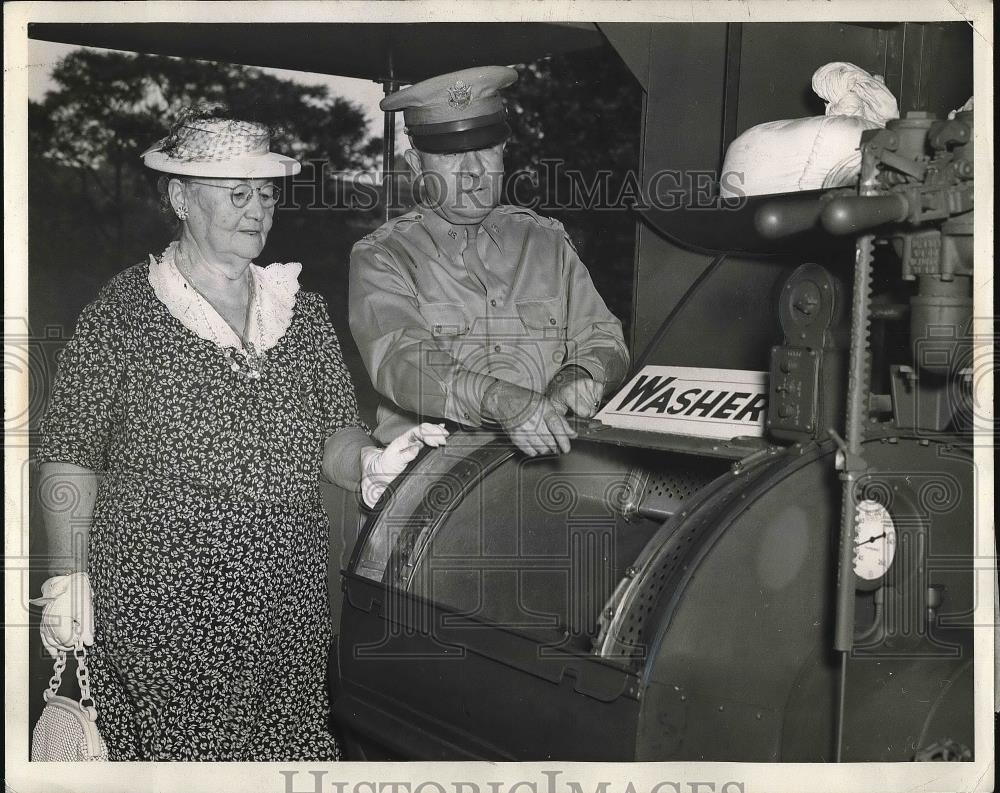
[455, 112]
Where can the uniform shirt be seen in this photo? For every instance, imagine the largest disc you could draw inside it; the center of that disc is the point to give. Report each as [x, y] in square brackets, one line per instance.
[435, 327]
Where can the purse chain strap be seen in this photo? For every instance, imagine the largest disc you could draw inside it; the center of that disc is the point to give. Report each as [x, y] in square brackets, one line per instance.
[87, 704]
[58, 667]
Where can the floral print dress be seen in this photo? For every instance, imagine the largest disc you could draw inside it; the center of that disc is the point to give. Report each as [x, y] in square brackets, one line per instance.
[208, 549]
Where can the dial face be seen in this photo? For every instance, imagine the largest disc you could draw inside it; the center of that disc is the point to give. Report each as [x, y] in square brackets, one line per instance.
[874, 540]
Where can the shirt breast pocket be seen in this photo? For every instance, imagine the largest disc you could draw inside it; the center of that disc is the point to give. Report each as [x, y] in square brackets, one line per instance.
[445, 321]
[544, 318]
[545, 333]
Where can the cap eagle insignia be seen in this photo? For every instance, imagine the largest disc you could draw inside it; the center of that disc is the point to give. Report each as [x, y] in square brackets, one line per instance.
[460, 95]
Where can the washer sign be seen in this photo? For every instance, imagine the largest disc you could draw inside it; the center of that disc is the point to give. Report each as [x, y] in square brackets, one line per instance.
[687, 400]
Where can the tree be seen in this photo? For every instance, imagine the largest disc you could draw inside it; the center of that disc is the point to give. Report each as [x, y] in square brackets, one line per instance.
[581, 112]
[109, 107]
[93, 207]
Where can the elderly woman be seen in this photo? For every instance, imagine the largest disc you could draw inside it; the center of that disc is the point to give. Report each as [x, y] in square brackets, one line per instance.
[212, 395]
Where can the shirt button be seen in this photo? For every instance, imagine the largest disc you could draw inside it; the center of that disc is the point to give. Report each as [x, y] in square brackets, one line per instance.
[493, 302]
[497, 348]
[552, 320]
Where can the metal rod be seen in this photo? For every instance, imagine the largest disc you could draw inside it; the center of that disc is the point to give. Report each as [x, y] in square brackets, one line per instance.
[841, 697]
[731, 87]
[389, 86]
[852, 464]
[859, 356]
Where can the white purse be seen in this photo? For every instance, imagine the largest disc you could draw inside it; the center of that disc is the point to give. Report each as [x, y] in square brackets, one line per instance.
[67, 729]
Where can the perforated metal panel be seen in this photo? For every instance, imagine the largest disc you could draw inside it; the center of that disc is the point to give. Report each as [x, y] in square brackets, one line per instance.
[666, 569]
[663, 491]
[681, 492]
[675, 485]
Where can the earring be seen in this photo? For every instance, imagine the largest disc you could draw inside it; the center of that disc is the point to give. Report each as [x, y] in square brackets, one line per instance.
[182, 213]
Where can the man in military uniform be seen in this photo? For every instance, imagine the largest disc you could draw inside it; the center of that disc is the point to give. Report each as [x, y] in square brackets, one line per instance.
[471, 310]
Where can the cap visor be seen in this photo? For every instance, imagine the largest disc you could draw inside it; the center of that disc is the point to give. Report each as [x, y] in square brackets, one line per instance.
[468, 140]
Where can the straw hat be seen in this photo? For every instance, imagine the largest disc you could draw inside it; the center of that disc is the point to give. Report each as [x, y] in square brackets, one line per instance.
[222, 148]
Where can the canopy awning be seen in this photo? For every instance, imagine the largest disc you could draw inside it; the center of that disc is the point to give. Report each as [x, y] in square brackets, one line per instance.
[363, 50]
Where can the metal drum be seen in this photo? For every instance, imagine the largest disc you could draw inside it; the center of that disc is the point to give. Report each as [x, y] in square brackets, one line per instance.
[623, 603]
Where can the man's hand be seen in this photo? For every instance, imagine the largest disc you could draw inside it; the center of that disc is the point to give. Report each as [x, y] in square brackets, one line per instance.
[574, 390]
[533, 422]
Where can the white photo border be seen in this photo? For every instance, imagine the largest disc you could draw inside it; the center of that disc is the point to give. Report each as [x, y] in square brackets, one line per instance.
[22, 776]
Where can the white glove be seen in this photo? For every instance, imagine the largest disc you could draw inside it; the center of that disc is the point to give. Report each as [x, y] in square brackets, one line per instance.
[380, 466]
[68, 613]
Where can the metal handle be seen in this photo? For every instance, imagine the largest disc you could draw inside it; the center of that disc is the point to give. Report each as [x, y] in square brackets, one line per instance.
[777, 219]
[856, 214]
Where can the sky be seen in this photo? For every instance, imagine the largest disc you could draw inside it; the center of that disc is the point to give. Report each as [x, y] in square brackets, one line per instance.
[43, 55]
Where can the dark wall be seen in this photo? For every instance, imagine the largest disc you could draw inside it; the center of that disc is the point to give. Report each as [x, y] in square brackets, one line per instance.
[681, 132]
[927, 66]
[777, 62]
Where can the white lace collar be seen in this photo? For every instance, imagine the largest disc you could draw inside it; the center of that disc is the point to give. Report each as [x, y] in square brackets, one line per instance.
[275, 287]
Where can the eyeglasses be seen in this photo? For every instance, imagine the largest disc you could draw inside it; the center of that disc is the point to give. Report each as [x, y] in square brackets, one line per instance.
[241, 194]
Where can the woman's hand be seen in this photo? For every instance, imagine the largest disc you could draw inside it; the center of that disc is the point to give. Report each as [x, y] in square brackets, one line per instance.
[380, 466]
[68, 613]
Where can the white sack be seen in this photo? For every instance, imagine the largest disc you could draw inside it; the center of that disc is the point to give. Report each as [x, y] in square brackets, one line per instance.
[815, 152]
[850, 91]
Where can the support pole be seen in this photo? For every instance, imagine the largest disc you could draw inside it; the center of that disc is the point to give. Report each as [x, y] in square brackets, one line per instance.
[389, 85]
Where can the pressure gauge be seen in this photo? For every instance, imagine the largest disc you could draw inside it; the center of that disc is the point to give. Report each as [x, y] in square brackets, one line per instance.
[874, 541]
